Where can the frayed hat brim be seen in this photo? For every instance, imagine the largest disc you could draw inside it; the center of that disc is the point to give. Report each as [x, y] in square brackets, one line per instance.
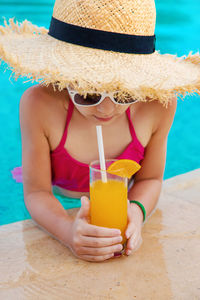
[30, 52]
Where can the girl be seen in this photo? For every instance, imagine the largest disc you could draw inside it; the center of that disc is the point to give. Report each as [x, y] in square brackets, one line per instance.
[98, 65]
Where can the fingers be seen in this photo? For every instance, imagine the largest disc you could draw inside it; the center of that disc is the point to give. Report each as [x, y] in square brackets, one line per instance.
[88, 241]
[133, 234]
[97, 258]
[130, 230]
[134, 243]
[137, 246]
[96, 249]
[100, 251]
[97, 231]
[84, 211]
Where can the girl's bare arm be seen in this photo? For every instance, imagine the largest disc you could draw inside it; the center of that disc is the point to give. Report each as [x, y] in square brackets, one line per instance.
[44, 208]
[86, 241]
[148, 181]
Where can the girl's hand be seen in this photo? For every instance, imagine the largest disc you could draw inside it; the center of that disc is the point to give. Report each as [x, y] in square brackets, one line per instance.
[90, 242]
[134, 228]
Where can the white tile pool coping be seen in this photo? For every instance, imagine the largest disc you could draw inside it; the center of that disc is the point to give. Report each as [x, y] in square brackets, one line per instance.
[167, 266]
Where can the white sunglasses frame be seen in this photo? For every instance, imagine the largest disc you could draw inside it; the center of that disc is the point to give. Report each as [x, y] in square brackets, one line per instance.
[72, 94]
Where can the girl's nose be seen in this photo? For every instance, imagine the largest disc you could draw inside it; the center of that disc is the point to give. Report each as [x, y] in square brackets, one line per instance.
[106, 106]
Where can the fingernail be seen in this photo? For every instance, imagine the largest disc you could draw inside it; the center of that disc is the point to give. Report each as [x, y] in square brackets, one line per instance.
[82, 198]
[128, 252]
[128, 235]
[120, 247]
[117, 254]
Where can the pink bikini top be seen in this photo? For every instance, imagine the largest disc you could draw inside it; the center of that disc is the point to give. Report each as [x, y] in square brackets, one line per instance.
[70, 174]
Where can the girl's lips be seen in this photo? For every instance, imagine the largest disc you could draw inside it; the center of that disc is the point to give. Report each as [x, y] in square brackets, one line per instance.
[103, 119]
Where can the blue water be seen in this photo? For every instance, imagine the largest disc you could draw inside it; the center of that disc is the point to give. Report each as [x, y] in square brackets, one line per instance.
[177, 30]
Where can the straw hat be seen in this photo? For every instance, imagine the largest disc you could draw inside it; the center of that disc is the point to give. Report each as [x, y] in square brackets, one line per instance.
[99, 45]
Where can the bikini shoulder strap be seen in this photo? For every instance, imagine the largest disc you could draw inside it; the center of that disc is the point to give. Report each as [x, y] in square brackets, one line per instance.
[131, 127]
[68, 119]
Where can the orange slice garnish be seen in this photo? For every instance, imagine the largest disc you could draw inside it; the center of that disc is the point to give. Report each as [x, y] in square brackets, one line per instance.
[124, 168]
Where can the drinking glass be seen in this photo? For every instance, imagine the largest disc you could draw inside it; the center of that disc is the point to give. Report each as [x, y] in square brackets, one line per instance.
[108, 197]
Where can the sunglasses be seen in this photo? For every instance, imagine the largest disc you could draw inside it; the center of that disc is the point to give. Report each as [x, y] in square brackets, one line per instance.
[93, 99]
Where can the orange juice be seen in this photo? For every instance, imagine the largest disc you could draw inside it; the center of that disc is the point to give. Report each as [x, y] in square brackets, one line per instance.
[109, 204]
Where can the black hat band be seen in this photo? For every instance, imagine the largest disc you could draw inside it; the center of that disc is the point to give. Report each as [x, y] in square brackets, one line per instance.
[99, 39]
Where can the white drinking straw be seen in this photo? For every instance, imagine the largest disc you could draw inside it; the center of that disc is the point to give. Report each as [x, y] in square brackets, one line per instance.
[101, 153]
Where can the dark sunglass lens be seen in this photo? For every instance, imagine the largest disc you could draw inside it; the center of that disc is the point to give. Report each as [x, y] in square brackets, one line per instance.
[124, 100]
[93, 98]
[79, 99]
[132, 100]
[90, 99]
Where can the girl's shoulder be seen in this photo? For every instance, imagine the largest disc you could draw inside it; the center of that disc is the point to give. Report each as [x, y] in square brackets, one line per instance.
[46, 96]
[48, 106]
[149, 117]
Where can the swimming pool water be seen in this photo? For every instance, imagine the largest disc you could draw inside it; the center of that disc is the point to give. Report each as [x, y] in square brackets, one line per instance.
[177, 30]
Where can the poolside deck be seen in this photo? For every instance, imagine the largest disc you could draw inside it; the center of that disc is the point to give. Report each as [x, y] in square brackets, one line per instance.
[167, 266]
